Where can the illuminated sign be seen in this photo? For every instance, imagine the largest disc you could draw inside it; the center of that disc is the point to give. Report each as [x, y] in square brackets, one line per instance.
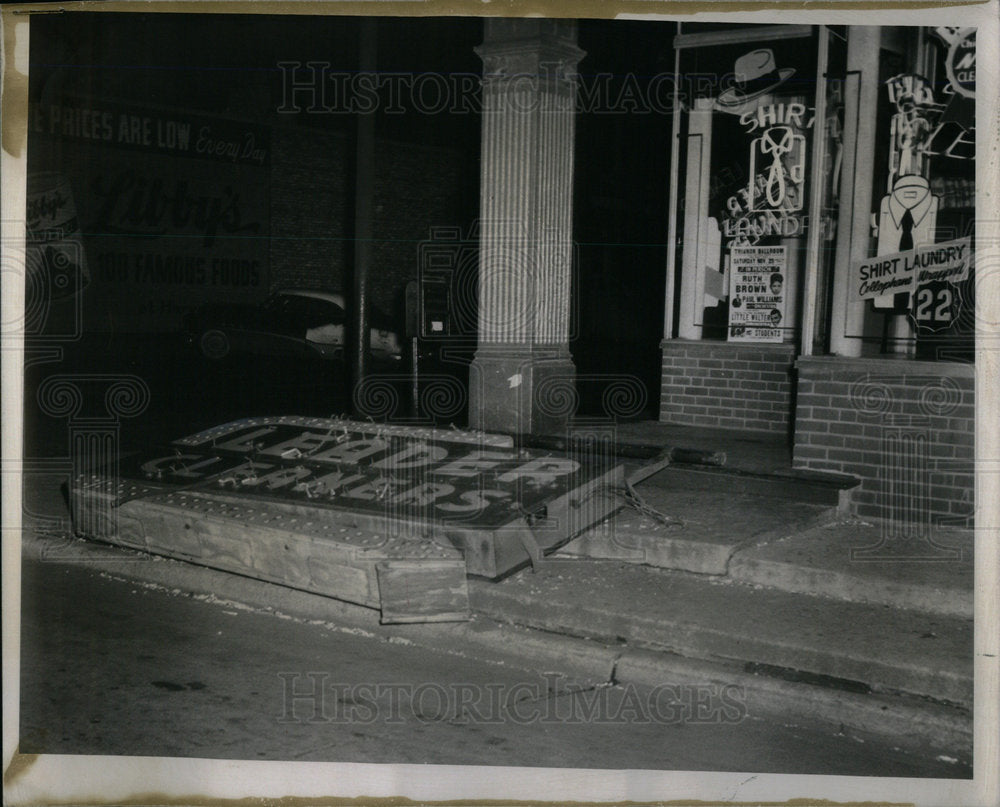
[366, 469]
[769, 203]
[922, 127]
[399, 478]
[783, 151]
[388, 516]
[960, 63]
[912, 126]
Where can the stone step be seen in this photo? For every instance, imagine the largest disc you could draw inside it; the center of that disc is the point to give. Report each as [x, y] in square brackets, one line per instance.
[853, 560]
[703, 532]
[790, 545]
[813, 487]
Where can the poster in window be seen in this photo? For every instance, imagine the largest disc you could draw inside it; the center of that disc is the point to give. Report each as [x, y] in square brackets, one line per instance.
[757, 293]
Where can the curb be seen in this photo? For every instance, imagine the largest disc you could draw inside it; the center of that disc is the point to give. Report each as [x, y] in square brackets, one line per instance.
[896, 718]
[677, 635]
[907, 721]
[493, 642]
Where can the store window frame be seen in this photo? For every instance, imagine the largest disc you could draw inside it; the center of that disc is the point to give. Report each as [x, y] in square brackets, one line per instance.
[806, 316]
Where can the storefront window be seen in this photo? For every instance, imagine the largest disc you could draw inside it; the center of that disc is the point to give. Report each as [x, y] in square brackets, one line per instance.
[826, 199]
[746, 177]
[944, 310]
[916, 280]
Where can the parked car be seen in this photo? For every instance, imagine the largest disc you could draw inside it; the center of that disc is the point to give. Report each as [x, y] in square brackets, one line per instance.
[290, 323]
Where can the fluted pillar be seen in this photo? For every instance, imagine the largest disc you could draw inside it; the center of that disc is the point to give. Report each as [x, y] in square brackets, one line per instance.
[522, 376]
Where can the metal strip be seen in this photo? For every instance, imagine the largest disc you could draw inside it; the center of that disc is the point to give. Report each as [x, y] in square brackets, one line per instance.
[817, 182]
[675, 139]
[762, 33]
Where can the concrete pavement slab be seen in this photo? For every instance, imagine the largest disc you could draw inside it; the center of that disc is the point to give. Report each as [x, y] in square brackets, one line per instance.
[709, 526]
[766, 695]
[820, 561]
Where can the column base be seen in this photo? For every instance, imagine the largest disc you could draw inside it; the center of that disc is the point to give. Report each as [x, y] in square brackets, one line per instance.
[515, 390]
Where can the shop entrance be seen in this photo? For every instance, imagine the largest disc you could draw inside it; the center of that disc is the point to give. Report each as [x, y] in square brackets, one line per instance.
[620, 210]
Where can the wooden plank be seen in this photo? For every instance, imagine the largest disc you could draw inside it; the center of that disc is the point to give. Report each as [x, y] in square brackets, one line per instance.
[314, 555]
[341, 581]
[423, 591]
[642, 472]
[493, 553]
[295, 559]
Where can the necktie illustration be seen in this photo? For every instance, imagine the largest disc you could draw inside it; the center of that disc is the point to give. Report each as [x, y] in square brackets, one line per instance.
[906, 236]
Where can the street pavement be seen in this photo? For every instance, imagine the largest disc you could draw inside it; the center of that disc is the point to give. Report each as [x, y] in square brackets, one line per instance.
[112, 666]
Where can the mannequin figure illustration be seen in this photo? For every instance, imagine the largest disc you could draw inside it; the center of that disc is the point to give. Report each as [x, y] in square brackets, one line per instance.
[907, 219]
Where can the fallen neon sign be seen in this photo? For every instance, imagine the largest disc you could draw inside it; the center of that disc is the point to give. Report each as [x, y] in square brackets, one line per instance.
[357, 466]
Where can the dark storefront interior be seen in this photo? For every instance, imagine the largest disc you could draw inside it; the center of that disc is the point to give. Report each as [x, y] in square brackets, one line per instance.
[226, 68]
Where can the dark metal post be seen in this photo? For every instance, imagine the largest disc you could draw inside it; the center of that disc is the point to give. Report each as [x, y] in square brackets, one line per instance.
[364, 193]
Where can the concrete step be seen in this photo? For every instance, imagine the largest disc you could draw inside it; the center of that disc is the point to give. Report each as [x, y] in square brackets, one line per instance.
[812, 487]
[862, 647]
[698, 519]
[731, 529]
[704, 530]
[853, 560]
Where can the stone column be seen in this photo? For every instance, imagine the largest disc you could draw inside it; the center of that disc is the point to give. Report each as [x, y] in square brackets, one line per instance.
[522, 377]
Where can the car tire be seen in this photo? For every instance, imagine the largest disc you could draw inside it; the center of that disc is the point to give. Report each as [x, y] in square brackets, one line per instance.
[214, 344]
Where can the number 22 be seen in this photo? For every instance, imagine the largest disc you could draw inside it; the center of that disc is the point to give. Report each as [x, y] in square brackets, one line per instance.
[925, 299]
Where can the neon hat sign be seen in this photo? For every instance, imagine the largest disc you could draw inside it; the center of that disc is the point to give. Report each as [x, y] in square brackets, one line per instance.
[755, 74]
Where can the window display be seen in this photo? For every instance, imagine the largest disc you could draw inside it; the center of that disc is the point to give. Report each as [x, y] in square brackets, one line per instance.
[770, 118]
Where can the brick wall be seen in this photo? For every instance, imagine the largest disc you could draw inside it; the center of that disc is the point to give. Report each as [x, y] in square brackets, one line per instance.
[310, 210]
[727, 385]
[416, 188]
[905, 428]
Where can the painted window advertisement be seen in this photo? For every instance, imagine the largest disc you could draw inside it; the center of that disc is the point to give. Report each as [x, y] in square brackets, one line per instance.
[144, 213]
[769, 205]
[768, 111]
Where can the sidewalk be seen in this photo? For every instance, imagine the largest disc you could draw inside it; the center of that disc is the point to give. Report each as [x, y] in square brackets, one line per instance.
[752, 580]
[755, 562]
